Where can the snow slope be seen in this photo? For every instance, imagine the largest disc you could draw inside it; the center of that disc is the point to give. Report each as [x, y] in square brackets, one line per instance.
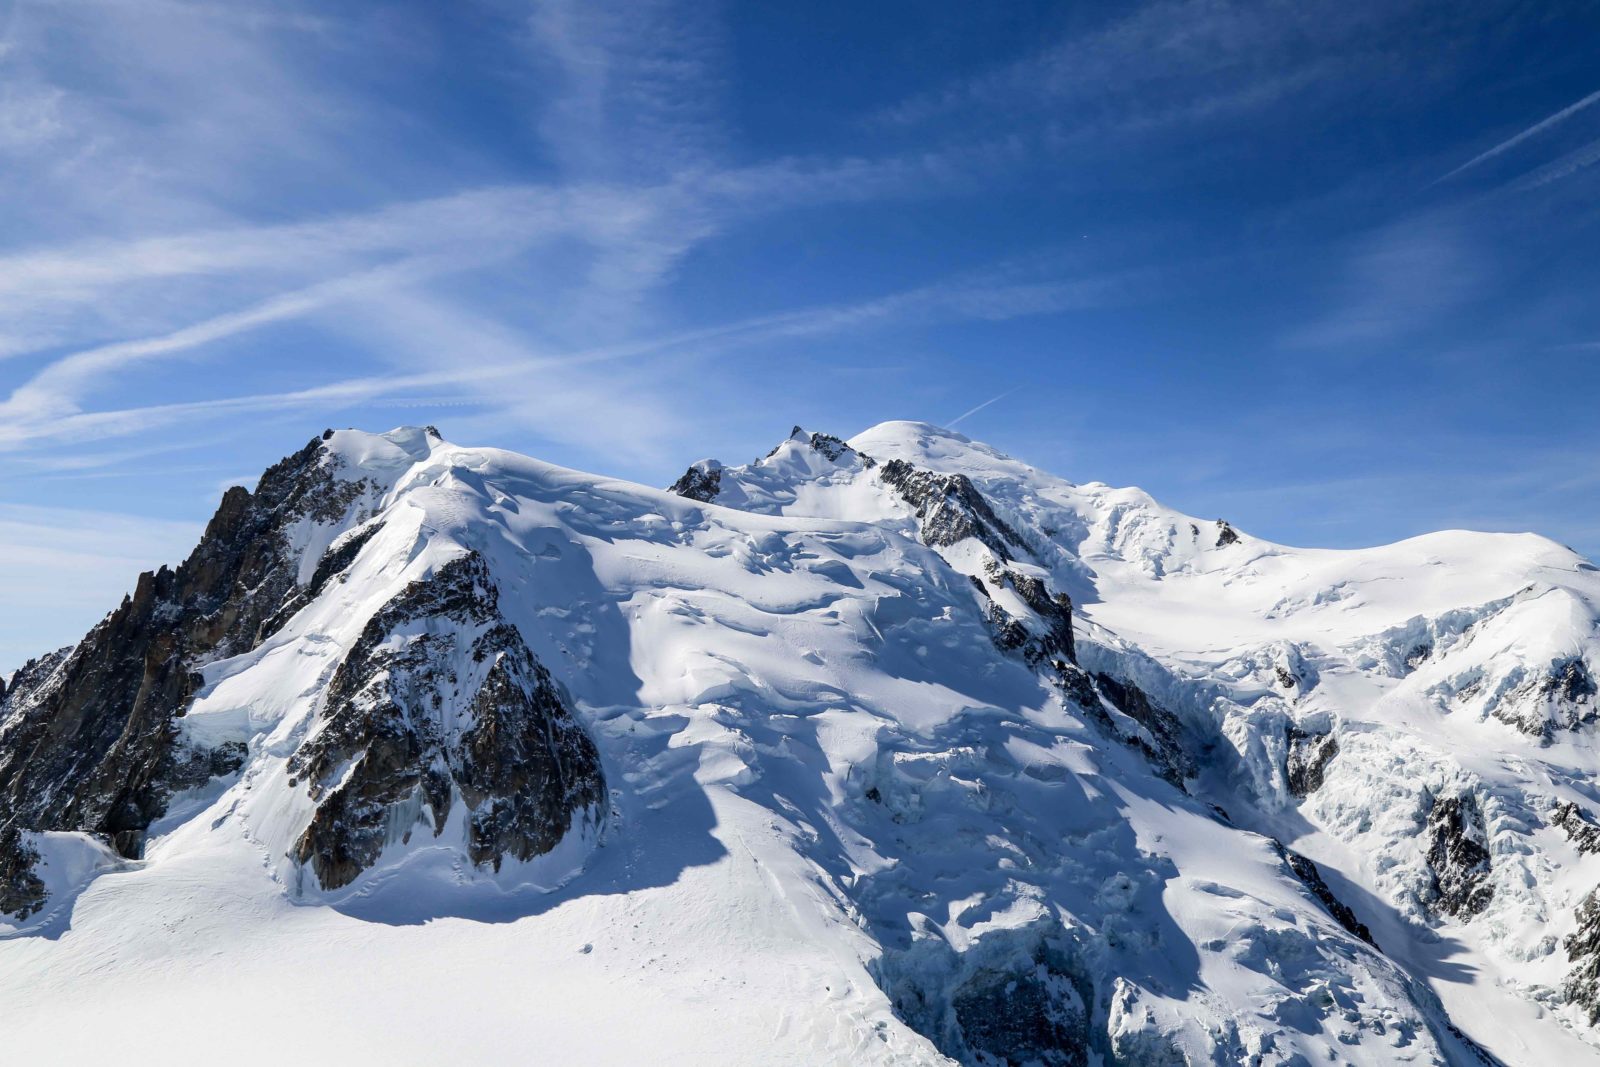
[861, 806]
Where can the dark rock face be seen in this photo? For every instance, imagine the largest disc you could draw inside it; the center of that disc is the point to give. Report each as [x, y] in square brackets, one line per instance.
[950, 508]
[1563, 697]
[1308, 758]
[836, 449]
[1582, 986]
[700, 482]
[1079, 687]
[1311, 877]
[1054, 611]
[1226, 535]
[1569, 688]
[1458, 856]
[832, 448]
[1165, 748]
[439, 698]
[90, 743]
[1025, 1002]
[21, 891]
[1570, 681]
[1162, 739]
[1031, 1016]
[31, 682]
[1580, 828]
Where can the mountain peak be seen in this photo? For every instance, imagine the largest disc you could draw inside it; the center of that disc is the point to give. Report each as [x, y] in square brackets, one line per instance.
[1021, 770]
[394, 450]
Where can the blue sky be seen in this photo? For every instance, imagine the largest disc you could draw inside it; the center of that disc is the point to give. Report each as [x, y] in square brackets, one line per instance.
[1325, 269]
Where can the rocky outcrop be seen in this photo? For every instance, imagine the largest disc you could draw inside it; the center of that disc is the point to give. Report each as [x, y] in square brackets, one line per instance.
[1559, 697]
[701, 482]
[1014, 997]
[439, 700]
[949, 509]
[31, 683]
[1226, 535]
[1458, 856]
[90, 741]
[1162, 741]
[22, 892]
[1312, 879]
[1307, 759]
[1028, 1015]
[1054, 639]
[1580, 829]
[1582, 986]
[1153, 730]
[836, 449]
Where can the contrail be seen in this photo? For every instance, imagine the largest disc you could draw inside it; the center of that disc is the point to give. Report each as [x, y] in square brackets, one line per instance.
[1538, 127]
[979, 408]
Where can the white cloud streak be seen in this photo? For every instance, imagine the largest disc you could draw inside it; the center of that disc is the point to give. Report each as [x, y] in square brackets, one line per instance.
[505, 373]
[973, 411]
[1532, 131]
[1557, 169]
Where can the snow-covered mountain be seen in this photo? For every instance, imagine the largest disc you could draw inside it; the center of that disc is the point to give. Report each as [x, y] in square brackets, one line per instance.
[894, 750]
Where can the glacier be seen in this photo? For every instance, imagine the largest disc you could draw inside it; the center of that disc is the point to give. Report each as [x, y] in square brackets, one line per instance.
[892, 749]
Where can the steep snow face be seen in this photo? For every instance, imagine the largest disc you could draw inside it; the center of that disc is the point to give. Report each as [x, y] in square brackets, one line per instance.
[859, 752]
[1411, 715]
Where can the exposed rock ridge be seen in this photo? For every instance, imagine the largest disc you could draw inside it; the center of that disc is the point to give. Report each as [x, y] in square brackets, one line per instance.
[1582, 830]
[836, 449]
[1162, 742]
[1308, 757]
[90, 742]
[31, 682]
[1562, 697]
[441, 699]
[22, 892]
[1053, 609]
[1458, 856]
[1151, 729]
[949, 509]
[1582, 986]
[702, 482]
[1311, 877]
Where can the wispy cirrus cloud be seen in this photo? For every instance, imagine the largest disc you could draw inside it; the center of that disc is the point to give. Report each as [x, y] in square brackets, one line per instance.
[564, 393]
[1557, 169]
[1396, 281]
[1161, 64]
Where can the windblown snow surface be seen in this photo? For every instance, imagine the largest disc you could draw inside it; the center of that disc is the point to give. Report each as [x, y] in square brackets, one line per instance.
[848, 824]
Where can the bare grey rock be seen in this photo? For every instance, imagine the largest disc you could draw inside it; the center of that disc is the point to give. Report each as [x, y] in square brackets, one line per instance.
[1580, 828]
[440, 698]
[701, 482]
[1582, 986]
[1458, 856]
[1305, 870]
[949, 508]
[1308, 757]
[89, 740]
